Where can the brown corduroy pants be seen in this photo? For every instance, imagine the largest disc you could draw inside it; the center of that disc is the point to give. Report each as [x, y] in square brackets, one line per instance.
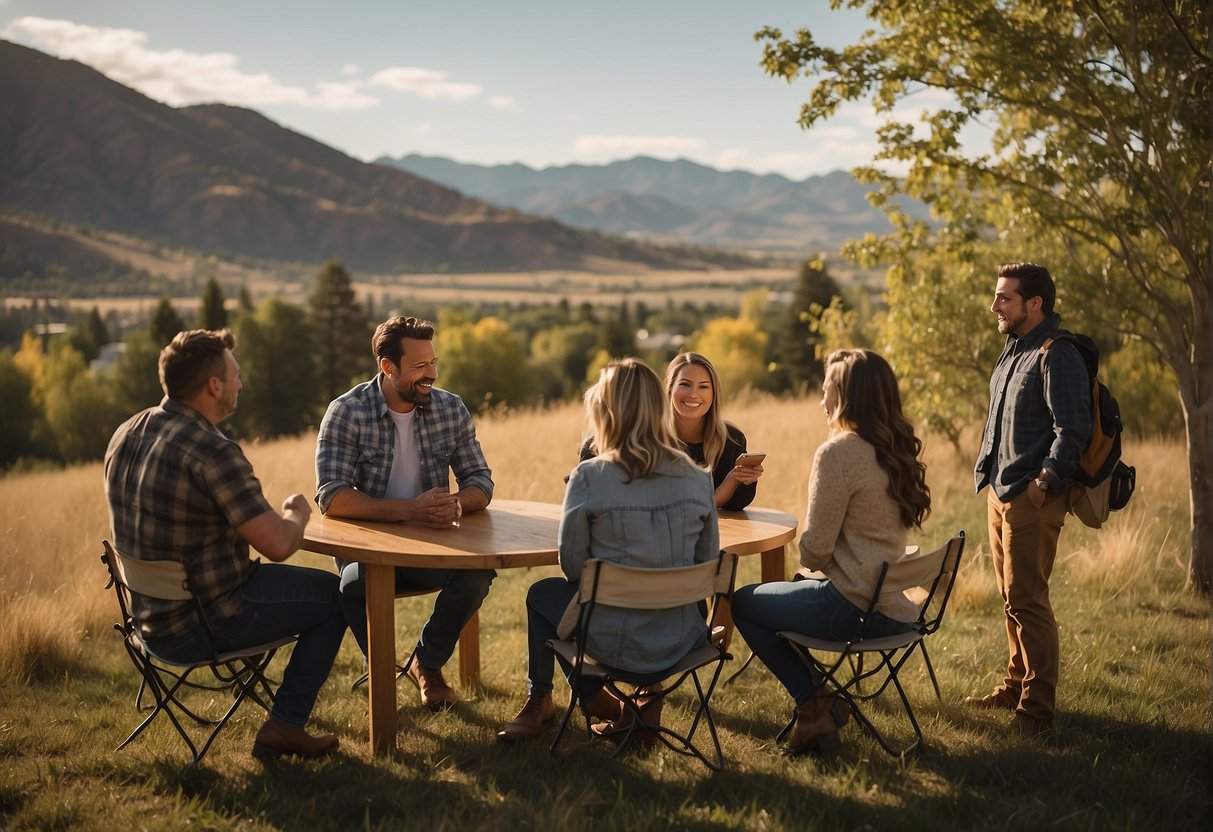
[1023, 539]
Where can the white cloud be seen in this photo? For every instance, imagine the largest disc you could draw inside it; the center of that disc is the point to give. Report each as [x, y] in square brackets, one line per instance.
[424, 128]
[730, 158]
[431, 84]
[607, 148]
[350, 70]
[175, 76]
[502, 102]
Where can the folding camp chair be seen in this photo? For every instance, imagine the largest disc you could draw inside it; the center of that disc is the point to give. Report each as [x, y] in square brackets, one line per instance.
[611, 585]
[240, 673]
[930, 577]
[403, 592]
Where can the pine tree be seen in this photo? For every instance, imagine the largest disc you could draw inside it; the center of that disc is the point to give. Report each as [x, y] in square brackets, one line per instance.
[165, 323]
[212, 314]
[339, 331]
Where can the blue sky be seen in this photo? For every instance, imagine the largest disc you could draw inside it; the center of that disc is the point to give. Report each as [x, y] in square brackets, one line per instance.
[534, 81]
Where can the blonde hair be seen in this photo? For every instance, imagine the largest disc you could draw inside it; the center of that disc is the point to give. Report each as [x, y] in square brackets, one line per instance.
[869, 404]
[626, 413]
[715, 429]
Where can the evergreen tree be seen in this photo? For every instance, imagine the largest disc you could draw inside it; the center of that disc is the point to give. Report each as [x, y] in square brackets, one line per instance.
[212, 314]
[97, 329]
[165, 323]
[280, 397]
[796, 350]
[339, 331]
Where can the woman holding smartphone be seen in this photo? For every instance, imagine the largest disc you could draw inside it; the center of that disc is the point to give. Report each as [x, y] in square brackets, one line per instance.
[693, 390]
[866, 491]
[639, 502]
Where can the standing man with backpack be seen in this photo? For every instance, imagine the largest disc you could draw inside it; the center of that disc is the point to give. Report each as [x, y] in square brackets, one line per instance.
[1039, 422]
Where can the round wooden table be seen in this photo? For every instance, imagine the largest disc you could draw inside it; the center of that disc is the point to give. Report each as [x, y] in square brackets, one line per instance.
[506, 535]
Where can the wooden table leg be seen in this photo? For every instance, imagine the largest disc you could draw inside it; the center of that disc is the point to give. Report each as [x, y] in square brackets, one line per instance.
[772, 570]
[381, 656]
[469, 652]
[772, 565]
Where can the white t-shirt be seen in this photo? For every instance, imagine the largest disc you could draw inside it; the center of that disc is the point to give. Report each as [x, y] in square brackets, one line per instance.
[404, 483]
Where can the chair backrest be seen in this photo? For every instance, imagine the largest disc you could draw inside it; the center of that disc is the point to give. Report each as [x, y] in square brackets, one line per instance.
[612, 585]
[163, 579]
[931, 577]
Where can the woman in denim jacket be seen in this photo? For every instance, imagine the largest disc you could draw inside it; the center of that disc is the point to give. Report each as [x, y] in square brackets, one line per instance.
[642, 503]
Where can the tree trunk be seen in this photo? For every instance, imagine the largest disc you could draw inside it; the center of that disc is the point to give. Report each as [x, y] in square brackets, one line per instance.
[1200, 471]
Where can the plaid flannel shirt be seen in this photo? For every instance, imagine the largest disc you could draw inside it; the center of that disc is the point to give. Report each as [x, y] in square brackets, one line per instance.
[356, 444]
[177, 488]
[1040, 412]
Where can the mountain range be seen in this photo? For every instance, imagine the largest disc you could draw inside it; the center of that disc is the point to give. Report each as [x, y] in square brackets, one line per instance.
[679, 201]
[79, 148]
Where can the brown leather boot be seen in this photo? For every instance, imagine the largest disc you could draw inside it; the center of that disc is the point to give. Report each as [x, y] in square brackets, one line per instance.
[276, 738]
[530, 720]
[816, 729]
[604, 706]
[650, 719]
[436, 694]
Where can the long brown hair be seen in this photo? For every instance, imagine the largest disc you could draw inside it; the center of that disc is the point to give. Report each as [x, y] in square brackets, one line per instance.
[626, 411]
[869, 404]
[715, 432]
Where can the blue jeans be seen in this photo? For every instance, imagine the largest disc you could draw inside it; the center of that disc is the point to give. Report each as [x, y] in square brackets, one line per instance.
[815, 608]
[460, 594]
[277, 601]
[546, 601]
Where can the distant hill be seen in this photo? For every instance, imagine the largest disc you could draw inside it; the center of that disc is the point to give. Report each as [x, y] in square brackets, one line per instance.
[679, 201]
[79, 148]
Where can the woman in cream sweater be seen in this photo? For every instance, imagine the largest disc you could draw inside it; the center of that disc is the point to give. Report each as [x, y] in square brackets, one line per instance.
[866, 490]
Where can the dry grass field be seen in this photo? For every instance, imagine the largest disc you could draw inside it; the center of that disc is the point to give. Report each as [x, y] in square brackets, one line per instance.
[1131, 752]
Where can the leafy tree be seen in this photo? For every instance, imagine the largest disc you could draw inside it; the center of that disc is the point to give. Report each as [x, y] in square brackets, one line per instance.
[340, 331]
[485, 363]
[561, 356]
[135, 379]
[280, 396]
[1100, 163]
[17, 411]
[80, 414]
[73, 415]
[165, 323]
[212, 314]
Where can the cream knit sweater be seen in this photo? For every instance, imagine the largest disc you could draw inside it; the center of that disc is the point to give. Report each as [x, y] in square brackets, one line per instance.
[852, 524]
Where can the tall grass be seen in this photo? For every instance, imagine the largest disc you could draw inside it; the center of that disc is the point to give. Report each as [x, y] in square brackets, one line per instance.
[1133, 731]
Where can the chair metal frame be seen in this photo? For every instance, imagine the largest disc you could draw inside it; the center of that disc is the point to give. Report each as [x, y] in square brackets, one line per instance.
[239, 672]
[846, 674]
[609, 584]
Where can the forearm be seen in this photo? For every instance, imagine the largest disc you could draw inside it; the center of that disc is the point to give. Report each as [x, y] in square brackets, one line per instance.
[357, 505]
[472, 499]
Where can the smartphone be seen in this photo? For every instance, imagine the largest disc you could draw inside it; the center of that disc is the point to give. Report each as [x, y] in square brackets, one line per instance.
[751, 459]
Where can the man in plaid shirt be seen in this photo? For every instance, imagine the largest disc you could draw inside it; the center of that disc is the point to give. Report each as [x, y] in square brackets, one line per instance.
[179, 489]
[385, 452]
[1039, 423]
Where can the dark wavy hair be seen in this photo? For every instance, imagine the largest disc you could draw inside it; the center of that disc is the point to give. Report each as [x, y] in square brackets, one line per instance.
[869, 403]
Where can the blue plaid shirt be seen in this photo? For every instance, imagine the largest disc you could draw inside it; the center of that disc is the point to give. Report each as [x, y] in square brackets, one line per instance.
[356, 444]
[1040, 412]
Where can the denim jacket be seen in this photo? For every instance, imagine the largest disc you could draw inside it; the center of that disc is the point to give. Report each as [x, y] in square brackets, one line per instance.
[1040, 412]
[666, 520]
